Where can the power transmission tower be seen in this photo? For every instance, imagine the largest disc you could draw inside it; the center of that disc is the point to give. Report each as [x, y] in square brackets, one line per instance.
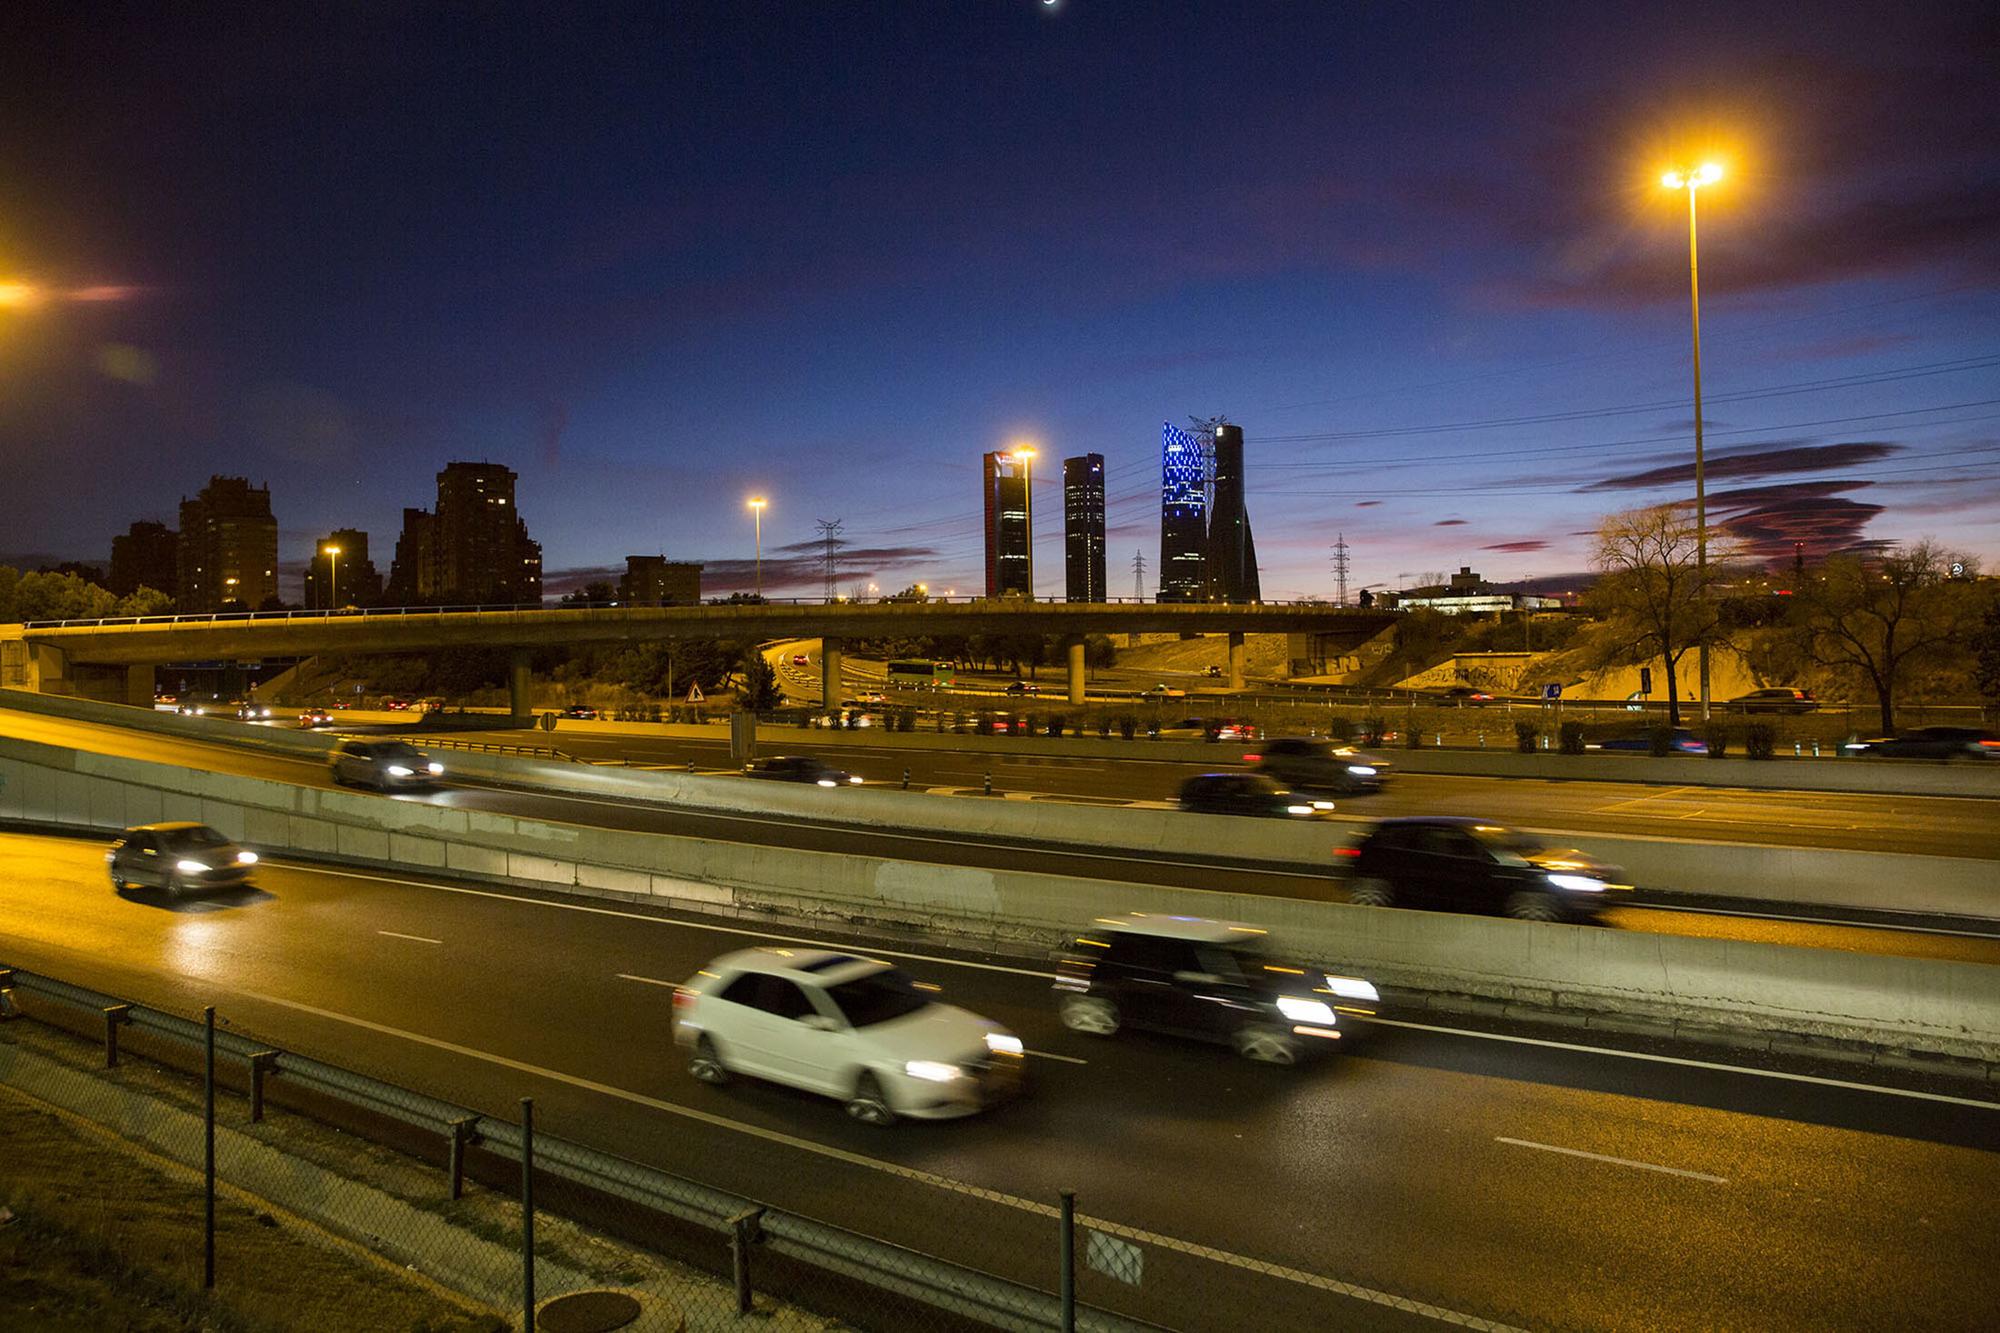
[1340, 569]
[831, 542]
[1138, 576]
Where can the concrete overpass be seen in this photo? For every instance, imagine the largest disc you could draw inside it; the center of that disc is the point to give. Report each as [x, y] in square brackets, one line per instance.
[113, 658]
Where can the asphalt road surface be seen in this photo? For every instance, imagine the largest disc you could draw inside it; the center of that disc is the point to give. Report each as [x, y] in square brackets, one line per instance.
[1534, 1183]
[1968, 941]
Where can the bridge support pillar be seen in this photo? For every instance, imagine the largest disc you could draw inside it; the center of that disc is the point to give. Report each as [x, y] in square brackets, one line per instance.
[829, 674]
[520, 688]
[1236, 659]
[139, 686]
[1074, 647]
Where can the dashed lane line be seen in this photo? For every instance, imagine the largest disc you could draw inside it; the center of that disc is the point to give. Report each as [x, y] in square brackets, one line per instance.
[1614, 1161]
[399, 935]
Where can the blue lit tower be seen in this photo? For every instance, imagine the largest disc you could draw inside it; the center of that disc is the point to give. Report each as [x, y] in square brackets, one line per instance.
[1183, 515]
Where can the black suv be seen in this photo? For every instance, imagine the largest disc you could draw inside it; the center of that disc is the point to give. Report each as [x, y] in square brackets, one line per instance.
[1465, 865]
[1248, 794]
[1312, 765]
[800, 768]
[1210, 980]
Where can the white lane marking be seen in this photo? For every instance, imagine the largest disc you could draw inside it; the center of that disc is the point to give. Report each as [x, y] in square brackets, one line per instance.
[1051, 1055]
[650, 981]
[1303, 1278]
[1687, 1063]
[1615, 1161]
[1810, 920]
[399, 935]
[1050, 976]
[665, 920]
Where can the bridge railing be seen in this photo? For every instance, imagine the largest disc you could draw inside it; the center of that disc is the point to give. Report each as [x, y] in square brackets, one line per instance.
[374, 612]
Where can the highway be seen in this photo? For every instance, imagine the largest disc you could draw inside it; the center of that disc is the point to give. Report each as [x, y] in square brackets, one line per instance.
[1974, 825]
[1538, 1184]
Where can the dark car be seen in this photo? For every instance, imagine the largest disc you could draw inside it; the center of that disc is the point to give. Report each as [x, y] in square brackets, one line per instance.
[582, 713]
[1466, 696]
[1023, 687]
[177, 857]
[383, 765]
[315, 717]
[1683, 742]
[1211, 980]
[1316, 765]
[1931, 743]
[1774, 701]
[254, 712]
[1248, 794]
[800, 768]
[1465, 865]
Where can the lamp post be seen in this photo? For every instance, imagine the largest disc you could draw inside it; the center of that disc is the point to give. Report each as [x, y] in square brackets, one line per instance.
[332, 576]
[757, 516]
[1026, 455]
[1692, 181]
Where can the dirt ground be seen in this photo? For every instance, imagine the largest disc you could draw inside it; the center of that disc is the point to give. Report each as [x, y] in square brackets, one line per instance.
[99, 1235]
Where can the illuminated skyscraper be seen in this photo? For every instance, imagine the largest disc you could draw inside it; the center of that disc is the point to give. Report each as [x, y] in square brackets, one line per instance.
[1007, 536]
[1083, 528]
[1183, 516]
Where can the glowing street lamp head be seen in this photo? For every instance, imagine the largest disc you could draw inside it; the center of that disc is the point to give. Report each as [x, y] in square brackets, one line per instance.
[18, 293]
[329, 550]
[1706, 174]
[756, 502]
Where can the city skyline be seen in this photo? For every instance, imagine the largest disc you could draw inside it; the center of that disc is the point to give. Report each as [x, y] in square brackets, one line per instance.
[1449, 309]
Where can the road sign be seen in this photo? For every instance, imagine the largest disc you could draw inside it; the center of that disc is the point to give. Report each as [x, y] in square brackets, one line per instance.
[694, 694]
[1552, 690]
[1645, 680]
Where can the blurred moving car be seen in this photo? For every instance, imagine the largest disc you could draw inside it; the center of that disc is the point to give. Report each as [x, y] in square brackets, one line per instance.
[1162, 691]
[396, 705]
[1774, 701]
[315, 717]
[1211, 980]
[1248, 794]
[1683, 742]
[800, 659]
[847, 1027]
[1931, 743]
[1208, 729]
[1465, 696]
[1316, 765]
[207, 705]
[254, 712]
[581, 713]
[800, 768]
[177, 857]
[1468, 865]
[383, 765]
[1023, 687]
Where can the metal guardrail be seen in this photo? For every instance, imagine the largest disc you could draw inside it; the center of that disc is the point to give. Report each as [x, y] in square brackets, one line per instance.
[937, 1283]
[494, 747]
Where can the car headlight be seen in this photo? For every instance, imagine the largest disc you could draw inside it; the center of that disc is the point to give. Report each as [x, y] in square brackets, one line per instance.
[828, 782]
[246, 858]
[1352, 988]
[1322, 805]
[191, 867]
[1361, 770]
[401, 771]
[434, 768]
[1301, 1010]
[1298, 809]
[1000, 1043]
[853, 781]
[933, 1071]
[1577, 883]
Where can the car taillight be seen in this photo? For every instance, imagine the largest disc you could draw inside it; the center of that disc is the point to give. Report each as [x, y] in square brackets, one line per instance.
[1253, 758]
[1347, 851]
[683, 997]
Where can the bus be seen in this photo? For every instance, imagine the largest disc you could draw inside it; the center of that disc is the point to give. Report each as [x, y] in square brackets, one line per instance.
[922, 675]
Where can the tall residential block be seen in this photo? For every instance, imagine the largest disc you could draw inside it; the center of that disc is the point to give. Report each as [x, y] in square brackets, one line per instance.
[1083, 528]
[1183, 515]
[345, 579]
[1008, 564]
[1230, 563]
[147, 555]
[228, 550]
[473, 550]
[654, 580]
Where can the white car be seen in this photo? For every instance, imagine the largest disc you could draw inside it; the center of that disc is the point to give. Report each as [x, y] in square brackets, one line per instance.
[847, 1027]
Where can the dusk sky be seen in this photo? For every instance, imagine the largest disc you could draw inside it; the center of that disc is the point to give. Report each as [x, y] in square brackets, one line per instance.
[660, 257]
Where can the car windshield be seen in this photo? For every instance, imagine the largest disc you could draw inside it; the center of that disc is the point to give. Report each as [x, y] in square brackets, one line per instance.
[877, 997]
[397, 750]
[202, 836]
[1512, 840]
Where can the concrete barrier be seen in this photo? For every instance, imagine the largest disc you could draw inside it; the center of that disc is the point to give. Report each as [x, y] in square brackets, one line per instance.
[1925, 1005]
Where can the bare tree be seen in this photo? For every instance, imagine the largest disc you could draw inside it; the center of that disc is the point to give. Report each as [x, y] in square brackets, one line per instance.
[1884, 618]
[1650, 598]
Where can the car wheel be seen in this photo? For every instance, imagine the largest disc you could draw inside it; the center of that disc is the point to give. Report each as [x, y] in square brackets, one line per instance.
[1533, 905]
[175, 887]
[1266, 1045]
[868, 1105]
[707, 1066]
[1089, 1013]
[118, 885]
[1371, 893]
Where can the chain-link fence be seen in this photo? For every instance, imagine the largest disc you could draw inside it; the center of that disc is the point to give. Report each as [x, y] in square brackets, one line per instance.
[501, 1211]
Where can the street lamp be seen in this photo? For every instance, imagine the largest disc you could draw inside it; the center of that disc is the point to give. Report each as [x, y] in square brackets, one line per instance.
[1692, 181]
[333, 576]
[757, 513]
[1026, 455]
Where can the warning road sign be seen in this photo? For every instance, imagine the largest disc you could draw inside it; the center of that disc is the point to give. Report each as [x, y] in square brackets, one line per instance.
[694, 694]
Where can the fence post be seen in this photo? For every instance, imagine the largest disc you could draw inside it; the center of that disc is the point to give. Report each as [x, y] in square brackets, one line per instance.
[208, 1147]
[463, 1135]
[1068, 1251]
[989, 784]
[114, 1016]
[745, 1230]
[906, 779]
[528, 1214]
[262, 1064]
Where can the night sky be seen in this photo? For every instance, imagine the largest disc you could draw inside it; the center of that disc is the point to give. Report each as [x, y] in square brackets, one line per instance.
[659, 257]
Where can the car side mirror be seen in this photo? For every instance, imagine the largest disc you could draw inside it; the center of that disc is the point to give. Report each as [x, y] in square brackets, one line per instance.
[1198, 978]
[819, 1023]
